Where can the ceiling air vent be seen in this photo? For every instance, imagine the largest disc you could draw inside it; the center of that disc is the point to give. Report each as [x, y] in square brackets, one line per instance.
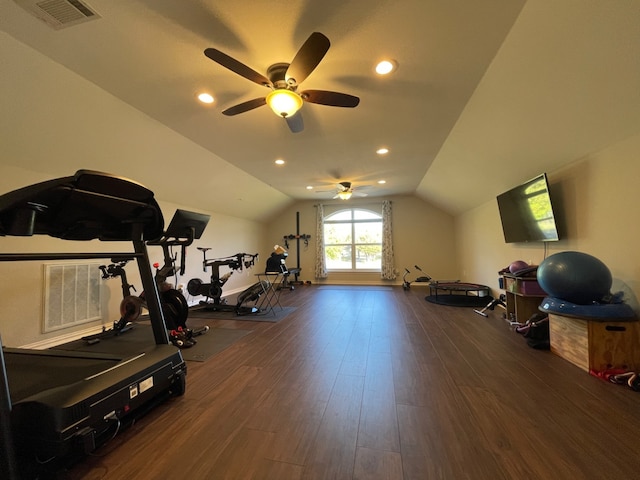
[59, 13]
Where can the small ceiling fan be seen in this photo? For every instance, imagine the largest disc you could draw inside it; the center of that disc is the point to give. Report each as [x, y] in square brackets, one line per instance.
[345, 191]
[284, 79]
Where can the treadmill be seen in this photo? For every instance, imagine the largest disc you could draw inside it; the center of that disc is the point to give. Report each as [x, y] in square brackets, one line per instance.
[58, 405]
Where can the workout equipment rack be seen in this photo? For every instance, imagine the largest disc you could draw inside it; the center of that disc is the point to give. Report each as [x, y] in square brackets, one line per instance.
[297, 237]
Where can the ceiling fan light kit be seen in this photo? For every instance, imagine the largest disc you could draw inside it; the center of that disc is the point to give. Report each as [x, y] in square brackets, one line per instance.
[385, 67]
[283, 102]
[284, 79]
[346, 195]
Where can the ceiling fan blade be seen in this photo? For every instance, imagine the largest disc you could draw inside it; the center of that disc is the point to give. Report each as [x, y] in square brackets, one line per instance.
[335, 187]
[308, 57]
[236, 66]
[333, 99]
[295, 122]
[245, 106]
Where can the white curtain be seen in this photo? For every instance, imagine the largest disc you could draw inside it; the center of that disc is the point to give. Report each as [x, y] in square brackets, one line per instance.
[321, 264]
[388, 262]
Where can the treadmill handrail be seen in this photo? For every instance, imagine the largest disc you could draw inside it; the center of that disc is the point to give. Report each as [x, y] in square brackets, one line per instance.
[19, 257]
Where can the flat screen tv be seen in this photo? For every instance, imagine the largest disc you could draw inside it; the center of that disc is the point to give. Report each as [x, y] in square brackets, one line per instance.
[526, 212]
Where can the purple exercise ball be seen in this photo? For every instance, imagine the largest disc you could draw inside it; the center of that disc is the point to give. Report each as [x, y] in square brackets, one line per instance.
[575, 277]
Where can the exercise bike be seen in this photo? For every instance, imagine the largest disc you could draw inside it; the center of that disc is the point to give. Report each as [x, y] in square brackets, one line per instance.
[183, 229]
[213, 290]
[406, 284]
[497, 302]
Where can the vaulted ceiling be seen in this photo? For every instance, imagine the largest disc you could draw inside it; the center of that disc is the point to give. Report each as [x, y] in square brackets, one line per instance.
[486, 94]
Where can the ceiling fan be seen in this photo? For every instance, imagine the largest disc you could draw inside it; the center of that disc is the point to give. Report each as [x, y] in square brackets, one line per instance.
[345, 191]
[284, 79]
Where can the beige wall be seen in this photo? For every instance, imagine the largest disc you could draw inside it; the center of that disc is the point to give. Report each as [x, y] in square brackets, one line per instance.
[422, 235]
[597, 198]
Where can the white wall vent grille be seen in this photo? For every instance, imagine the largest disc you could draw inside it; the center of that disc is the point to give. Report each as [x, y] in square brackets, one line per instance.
[72, 295]
[59, 13]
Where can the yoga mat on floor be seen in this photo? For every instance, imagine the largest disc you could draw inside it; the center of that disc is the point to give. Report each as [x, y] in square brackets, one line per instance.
[355, 287]
[214, 341]
[459, 300]
[140, 336]
[273, 316]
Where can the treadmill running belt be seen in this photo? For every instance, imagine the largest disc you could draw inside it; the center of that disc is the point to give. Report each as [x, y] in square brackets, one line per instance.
[31, 374]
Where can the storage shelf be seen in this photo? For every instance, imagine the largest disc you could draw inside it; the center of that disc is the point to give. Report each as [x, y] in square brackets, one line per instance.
[523, 297]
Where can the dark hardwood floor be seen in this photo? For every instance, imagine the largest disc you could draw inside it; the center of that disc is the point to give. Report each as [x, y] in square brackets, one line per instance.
[373, 383]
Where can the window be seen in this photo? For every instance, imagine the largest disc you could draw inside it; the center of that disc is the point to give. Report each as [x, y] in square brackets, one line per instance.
[353, 240]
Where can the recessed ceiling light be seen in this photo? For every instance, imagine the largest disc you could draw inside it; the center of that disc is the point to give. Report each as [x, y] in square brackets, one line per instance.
[205, 98]
[279, 162]
[381, 182]
[386, 66]
[309, 187]
[382, 151]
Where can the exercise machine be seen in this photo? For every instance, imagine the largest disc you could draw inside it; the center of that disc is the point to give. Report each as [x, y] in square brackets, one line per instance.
[406, 284]
[183, 229]
[61, 404]
[213, 291]
[129, 312]
[497, 302]
[174, 306]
